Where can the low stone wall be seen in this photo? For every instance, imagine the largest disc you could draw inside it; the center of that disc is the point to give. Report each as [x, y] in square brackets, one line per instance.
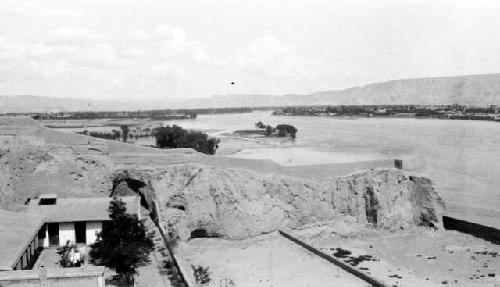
[182, 271]
[89, 276]
[475, 229]
[374, 282]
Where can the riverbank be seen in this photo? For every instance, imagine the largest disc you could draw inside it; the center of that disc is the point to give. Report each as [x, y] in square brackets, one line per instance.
[462, 157]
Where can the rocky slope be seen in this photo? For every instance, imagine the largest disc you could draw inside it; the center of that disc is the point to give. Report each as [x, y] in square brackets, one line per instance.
[236, 204]
[466, 90]
[200, 198]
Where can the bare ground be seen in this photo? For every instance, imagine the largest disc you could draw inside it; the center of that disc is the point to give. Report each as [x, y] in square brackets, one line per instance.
[268, 260]
[419, 257]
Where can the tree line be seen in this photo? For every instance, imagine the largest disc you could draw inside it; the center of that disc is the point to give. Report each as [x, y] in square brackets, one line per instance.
[282, 130]
[177, 137]
[166, 137]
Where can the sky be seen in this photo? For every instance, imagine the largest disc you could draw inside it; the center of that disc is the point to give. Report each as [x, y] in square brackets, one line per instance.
[168, 50]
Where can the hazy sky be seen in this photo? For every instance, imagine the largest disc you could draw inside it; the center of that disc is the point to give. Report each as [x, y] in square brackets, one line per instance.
[176, 49]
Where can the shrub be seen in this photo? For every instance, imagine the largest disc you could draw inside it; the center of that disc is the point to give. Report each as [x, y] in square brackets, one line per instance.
[64, 253]
[285, 130]
[177, 137]
[125, 131]
[123, 244]
[201, 274]
[172, 238]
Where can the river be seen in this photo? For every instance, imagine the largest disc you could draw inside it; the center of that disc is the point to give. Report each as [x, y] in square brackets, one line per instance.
[461, 157]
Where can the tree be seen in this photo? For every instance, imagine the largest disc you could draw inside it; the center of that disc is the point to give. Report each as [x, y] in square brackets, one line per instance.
[260, 125]
[269, 130]
[116, 134]
[64, 253]
[125, 130]
[177, 137]
[201, 274]
[123, 244]
[285, 130]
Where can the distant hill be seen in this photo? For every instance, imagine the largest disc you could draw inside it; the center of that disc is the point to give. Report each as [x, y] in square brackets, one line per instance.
[467, 90]
[28, 103]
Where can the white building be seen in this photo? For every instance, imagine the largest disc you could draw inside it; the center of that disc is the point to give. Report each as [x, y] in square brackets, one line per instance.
[18, 240]
[77, 220]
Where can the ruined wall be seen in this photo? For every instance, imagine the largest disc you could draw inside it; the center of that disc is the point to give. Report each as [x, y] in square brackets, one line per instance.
[217, 202]
[208, 199]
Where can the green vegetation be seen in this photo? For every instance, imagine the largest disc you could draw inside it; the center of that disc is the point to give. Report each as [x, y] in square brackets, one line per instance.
[164, 114]
[113, 135]
[173, 274]
[282, 130]
[286, 130]
[452, 112]
[201, 274]
[125, 130]
[260, 125]
[123, 244]
[177, 137]
[65, 252]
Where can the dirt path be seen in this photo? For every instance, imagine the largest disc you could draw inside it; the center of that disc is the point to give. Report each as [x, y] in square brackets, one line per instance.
[154, 274]
[268, 260]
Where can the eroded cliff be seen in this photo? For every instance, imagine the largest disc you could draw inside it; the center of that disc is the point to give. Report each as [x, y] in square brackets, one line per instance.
[198, 199]
[236, 204]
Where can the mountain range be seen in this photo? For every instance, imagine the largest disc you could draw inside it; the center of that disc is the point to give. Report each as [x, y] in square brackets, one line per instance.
[477, 90]
[466, 90]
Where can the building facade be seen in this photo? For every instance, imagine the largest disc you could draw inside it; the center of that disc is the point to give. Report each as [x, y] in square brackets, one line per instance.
[74, 220]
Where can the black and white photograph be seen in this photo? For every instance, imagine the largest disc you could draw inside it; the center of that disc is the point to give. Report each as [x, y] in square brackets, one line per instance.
[249, 143]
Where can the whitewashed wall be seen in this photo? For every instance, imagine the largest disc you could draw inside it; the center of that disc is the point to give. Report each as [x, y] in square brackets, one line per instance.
[92, 229]
[46, 239]
[66, 232]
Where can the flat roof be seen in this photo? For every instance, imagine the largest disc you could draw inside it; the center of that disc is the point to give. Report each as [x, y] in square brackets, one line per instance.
[17, 230]
[48, 195]
[80, 209]
[75, 272]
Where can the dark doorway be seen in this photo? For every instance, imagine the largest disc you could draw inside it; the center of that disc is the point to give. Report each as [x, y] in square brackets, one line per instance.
[199, 233]
[42, 235]
[53, 233]
[80, 232]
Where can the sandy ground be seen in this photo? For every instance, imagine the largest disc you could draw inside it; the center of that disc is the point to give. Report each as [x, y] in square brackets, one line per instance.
[304, 156]
[153, 274]
[417, 257]
[269, 260]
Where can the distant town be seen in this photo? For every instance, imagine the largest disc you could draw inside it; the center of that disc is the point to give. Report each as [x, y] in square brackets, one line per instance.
[164, 114]
[452, 112]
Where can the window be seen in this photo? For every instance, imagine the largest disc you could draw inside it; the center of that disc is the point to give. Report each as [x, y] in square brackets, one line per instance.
[47, 201]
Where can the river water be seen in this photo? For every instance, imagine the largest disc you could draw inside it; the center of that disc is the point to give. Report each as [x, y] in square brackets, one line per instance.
[461, 157]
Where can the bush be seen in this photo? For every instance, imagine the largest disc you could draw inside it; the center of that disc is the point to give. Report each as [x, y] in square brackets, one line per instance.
[177, 137]
[172, 236]
[285, 130]
[201, 274]
[113, 135]
[125, 131]
[64, 253]
[123, 244]
[174, 277]
[260, 125]
[269, 130]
